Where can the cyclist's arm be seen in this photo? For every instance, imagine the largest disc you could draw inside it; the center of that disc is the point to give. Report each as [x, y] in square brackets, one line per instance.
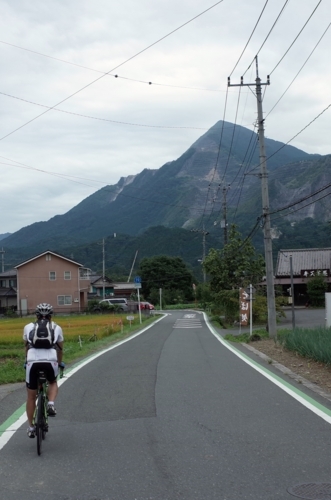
[59, 351]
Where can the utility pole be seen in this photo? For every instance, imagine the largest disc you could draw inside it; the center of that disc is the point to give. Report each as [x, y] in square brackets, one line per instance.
[3, 259]
[265, 203]
[224, 223]
[204, 233]
[103, 268]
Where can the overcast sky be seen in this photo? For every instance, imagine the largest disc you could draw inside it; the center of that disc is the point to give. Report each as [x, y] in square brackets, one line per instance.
[52, 163]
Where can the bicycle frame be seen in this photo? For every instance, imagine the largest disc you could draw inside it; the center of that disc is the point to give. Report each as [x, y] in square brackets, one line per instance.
[40, 417]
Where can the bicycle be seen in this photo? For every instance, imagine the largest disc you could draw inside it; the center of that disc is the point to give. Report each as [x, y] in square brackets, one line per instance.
[40, 417]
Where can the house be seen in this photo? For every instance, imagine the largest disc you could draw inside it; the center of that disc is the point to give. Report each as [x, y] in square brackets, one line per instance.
[53, 278]
[101, 287]
[105, 288]
[8, 283]
[306, 263]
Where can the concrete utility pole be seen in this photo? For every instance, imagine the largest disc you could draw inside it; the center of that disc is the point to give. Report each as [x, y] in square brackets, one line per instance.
[204, 233]
[103, 268]
[224, 223]
[265, 204]
[3, 259]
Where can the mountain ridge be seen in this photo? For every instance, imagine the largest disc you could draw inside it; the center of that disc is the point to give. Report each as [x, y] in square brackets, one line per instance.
[177, 194]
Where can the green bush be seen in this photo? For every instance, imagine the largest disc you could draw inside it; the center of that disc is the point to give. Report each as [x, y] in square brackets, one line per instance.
[316, 288]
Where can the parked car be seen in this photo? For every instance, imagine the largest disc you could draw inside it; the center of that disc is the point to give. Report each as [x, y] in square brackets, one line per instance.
[122, 303]
[146, 305]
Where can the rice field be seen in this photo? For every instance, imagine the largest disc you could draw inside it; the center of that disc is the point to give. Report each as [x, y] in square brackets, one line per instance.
[82, 334]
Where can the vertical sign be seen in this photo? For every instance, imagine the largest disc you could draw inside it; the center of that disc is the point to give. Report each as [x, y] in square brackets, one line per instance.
[244, 306]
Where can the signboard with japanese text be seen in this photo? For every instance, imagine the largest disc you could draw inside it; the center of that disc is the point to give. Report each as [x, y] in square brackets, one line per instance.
[244, 307]
[310, 273]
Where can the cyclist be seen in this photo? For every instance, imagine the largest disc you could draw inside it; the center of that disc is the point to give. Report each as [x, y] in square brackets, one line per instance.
[43, 342]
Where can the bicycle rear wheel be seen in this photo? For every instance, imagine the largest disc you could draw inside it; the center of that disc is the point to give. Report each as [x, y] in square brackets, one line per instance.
[40, 422]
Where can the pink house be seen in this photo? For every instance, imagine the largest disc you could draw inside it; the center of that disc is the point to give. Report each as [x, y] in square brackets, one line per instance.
[53, 278]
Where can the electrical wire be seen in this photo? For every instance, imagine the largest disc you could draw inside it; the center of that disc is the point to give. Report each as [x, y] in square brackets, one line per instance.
[301, 208]
[294, 137]
[309, 18]
[311, 53]
[147, 82]
[290, 205]
[98, 118]
[249, 39]
[272, 27]
[217, 158]
[113, 69]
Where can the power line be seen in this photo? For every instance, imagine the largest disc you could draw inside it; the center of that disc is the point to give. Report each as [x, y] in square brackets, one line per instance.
[147, 82]
[311, 15]
[257, 22]
[98, 118]
[266, 38]
[311, 53]
[296, 135]
[290, 205]
[113, 69]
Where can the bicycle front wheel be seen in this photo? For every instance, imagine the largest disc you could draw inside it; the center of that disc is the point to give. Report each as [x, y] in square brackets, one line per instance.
[40, 422]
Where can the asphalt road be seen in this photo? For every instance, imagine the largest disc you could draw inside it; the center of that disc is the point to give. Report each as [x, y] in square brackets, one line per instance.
[170, 415]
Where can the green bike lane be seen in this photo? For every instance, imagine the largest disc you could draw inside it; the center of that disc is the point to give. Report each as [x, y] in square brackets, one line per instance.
[175, 413]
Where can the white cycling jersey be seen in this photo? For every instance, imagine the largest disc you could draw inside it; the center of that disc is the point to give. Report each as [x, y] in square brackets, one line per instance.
[35, 355]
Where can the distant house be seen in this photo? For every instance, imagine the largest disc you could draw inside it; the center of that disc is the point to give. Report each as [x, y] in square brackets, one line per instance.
[100, 286]
[306, 263]
[8, 284]
[106, 287]
[53, 278]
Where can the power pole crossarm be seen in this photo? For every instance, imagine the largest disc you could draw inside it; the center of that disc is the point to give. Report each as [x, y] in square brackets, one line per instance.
[265, 204]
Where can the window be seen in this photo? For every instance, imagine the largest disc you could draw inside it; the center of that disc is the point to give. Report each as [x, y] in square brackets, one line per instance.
[52, 275]
[67, 275]
[48, 256]
[12, 283]
[3, 283]
[64, 300]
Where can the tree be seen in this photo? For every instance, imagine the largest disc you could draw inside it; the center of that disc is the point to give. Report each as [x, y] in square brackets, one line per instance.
[316, 288]
[169, 273]
[235, 266]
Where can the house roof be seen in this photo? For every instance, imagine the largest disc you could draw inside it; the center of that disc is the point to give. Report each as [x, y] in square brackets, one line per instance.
[124, 286]
[8, 292]
[95, 278]
[52, 253]
[302, 260]
[8, 274]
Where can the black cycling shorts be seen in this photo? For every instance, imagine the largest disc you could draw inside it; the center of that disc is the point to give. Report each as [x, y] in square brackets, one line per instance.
[46, 367]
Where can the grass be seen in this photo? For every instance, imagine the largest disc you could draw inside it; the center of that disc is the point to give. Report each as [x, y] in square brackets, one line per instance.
[83, 335]
[258, 334]
[309, 343]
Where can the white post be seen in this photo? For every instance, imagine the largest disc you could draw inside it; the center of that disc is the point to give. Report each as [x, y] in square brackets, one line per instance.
[328, 310]
[160, 299]
[250, 310]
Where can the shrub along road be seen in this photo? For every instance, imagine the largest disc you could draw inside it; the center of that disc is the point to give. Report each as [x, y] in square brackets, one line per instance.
[171, 414]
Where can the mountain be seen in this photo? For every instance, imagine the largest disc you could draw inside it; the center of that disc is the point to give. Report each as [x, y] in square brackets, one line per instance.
[172, 196]
[3, 236]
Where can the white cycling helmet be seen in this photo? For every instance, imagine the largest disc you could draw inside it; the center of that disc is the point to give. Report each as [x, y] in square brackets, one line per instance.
[44, 309]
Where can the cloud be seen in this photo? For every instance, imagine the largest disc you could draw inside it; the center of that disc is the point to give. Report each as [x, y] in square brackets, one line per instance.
[89, 153]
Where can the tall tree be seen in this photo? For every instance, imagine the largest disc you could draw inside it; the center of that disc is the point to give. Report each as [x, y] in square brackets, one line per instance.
[168, 273]
[236, 265]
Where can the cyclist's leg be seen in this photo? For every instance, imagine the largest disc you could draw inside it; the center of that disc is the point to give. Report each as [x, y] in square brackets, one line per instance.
[31, 404]
[31, 387]
[51, 374]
